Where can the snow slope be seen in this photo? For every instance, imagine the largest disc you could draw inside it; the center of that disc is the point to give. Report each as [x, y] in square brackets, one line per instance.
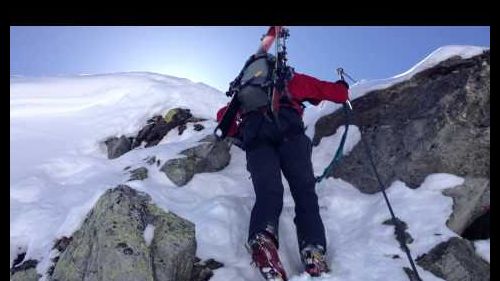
[59, 169]
[58, 165]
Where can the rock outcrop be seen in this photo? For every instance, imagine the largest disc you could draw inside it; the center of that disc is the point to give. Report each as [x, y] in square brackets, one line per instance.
[436, 122]
[153, 132]
[125, 237]
[159, 126]
[118, 146]
[26, 271]
[455, 260]
[470, 201]
[140, 173]
[203, 270]
[210, 156]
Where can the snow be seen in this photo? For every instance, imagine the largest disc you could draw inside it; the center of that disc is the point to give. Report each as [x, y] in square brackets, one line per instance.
[149, 232]
[483, 248]
[59, 169]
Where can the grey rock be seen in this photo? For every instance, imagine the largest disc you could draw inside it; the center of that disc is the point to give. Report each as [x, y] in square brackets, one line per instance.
[181, 128]
[479, 229]
[62, 243]
[173, 247]
[213, 264]
[470, 201]
[157, 127]
[138, 174]
[180, 170]
[153, 132]
[150, 160]
[210, 157]
[455, 260]
[118, 146]
[178, 115]
[19, 259]
[203, 271]
[110, 244]
[436, 122]
[198, 127]
[25, 271]
[25, 275]
[205, 158]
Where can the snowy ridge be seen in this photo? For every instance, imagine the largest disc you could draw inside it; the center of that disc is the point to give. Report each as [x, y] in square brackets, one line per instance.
[362, 87]
[59, 170]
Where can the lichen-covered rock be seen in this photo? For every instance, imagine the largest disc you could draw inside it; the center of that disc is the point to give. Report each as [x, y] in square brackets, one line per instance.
[153, 132]
[455, 260]
[177, 115]
[436, 122]
[111, 244]
[62, 243]
[211, 156]
[180, 170]
[25, 271]
[157, 127]
[139, 174]
[173, 247]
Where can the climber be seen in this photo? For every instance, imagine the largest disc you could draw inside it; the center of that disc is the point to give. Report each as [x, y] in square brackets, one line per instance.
[274, 141]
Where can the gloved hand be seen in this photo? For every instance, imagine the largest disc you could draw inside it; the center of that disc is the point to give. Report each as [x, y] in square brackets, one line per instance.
[344, 83]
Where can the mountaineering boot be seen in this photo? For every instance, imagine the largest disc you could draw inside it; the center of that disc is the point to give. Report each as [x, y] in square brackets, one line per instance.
[265, 257]
[313, 258]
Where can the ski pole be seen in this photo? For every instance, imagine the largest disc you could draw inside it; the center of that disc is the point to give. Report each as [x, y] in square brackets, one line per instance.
[397, 222]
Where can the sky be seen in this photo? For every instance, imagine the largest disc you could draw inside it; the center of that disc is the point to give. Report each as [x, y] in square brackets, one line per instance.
[214, 55]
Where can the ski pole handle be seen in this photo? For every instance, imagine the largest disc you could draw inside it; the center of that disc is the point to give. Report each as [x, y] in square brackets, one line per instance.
[340, 73]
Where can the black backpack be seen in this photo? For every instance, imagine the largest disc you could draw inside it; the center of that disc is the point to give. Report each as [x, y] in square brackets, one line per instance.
[254, 84]
[252, 89]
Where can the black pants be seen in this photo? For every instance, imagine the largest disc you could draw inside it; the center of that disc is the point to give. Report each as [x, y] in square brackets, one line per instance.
[269, 151]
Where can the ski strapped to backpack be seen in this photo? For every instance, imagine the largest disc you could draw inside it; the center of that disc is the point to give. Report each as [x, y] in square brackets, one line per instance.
[398, 224]
[260, 82]
[281, 73]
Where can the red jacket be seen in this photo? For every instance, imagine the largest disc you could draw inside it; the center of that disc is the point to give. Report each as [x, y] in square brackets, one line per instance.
[303, 88]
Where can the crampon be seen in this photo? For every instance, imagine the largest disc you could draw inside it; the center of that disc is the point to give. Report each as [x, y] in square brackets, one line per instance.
[313, 258]
[265, 257]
